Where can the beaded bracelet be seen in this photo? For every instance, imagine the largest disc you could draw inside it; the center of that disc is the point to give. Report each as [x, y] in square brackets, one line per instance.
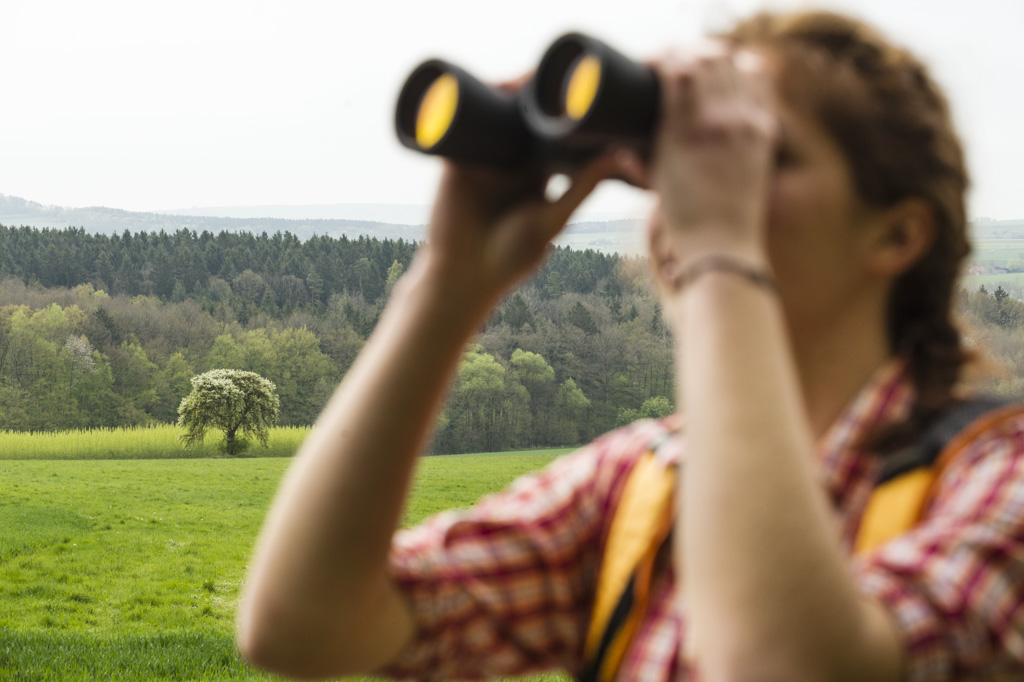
[759, 275]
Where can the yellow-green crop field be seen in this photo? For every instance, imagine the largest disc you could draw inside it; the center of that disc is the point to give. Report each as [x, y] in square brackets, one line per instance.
[129, 569]
[149, 442]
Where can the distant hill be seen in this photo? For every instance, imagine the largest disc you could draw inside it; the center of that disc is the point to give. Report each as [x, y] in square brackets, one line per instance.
[350, 220]
[392, 214]
[103, 220]
[998, 229]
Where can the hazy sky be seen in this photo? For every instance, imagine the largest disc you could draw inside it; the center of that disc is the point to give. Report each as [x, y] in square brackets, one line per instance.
[161, 105]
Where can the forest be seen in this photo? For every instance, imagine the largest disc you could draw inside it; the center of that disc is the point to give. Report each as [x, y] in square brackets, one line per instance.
[107, 330]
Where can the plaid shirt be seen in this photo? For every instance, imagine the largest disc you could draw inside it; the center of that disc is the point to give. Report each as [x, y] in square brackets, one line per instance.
[505, 588]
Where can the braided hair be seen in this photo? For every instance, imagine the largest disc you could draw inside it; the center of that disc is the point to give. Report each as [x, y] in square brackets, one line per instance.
[894, 127]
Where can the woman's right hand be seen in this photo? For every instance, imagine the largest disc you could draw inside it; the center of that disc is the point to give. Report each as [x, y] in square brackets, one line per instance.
[490, 228]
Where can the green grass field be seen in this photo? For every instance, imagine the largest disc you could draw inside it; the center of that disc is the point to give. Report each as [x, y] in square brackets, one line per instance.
[997, 251]
[130, 570]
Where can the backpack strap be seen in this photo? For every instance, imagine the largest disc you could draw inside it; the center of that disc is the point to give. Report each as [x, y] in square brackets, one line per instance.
[907, 478]
[641, 524]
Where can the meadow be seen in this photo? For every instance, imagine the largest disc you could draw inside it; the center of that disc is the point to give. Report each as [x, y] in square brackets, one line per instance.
[996, 251]
[130, 569]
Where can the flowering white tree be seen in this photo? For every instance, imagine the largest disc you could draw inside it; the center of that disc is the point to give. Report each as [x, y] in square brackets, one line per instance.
[238, 403]
[77, 352]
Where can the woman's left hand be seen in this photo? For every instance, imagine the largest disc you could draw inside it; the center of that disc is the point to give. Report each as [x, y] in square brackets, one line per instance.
[712, 160]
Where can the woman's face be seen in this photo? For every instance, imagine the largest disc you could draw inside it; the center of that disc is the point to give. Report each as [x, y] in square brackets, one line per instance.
[817, 225]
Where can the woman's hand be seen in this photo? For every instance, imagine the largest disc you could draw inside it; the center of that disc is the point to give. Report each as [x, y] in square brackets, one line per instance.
[712, 160]
[491, 227]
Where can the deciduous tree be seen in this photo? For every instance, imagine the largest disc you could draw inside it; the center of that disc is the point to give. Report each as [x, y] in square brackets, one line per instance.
[241, 404]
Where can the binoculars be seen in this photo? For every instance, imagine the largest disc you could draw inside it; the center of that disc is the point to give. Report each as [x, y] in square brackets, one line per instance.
[583, 97]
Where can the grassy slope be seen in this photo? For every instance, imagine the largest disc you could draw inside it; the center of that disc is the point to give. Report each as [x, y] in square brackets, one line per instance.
[130, 570]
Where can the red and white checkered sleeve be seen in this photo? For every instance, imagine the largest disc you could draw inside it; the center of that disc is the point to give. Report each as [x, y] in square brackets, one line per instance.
[505, 588]
[955, 584]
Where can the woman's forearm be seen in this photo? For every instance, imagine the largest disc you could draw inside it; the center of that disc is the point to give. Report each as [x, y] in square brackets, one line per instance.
[317, 599]
[765, 581]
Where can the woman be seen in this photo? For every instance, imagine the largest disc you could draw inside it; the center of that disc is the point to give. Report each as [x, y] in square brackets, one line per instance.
[806, 243]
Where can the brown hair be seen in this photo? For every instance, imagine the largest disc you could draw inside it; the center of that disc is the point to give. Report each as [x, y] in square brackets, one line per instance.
[894, 127]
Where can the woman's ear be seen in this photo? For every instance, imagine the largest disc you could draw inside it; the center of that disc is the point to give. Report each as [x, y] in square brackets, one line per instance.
[901, 238]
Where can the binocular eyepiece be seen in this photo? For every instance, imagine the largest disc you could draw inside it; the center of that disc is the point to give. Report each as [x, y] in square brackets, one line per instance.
[584, 97]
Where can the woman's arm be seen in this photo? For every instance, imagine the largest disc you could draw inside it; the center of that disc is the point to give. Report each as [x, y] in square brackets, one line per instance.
[318, 601]
[766, 583]
[766, 589]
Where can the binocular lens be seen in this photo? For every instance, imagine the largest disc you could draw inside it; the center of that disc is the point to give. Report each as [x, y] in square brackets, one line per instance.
[437, 110]
[581, 85]
[445, 111]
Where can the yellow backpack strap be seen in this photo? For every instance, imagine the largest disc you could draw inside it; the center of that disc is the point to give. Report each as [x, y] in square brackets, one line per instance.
[640, 526]
[906, 483]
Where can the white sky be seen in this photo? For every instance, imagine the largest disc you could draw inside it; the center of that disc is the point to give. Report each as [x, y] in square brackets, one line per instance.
[162, 105]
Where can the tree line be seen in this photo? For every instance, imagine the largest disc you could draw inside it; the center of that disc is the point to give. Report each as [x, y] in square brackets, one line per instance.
[248, 273]
[994, 328]
[100, 330]
[107, 330]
